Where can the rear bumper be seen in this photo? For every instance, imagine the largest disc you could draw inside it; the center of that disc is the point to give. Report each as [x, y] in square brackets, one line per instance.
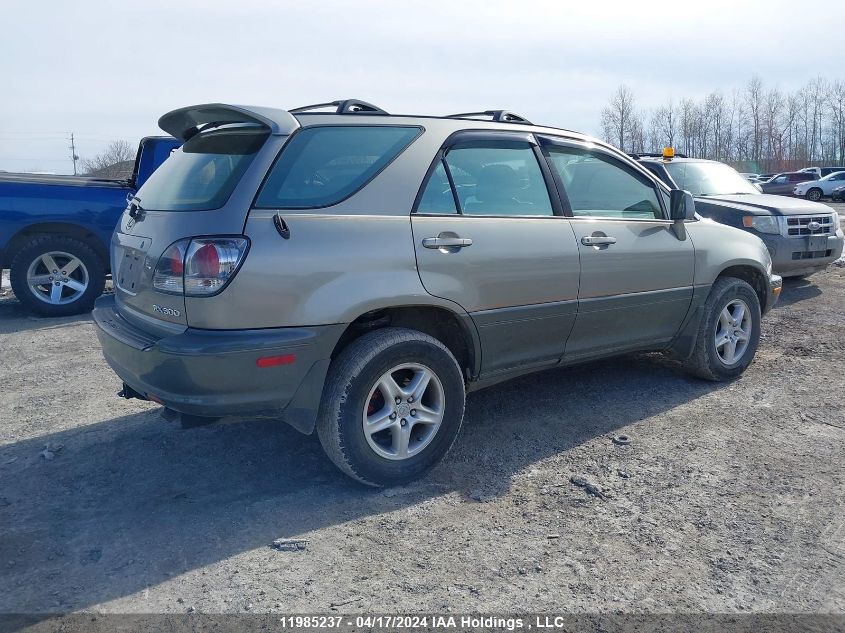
[790, 256]
[214, 373]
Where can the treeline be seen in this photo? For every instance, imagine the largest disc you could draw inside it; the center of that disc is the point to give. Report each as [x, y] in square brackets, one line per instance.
[756, 128]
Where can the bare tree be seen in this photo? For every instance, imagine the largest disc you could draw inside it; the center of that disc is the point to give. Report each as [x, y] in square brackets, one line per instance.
[688, 126]
[772, 119]
[754, 128]
[618, 119]
[664, 127]
[116, 162]
[837, 118]
[754, 106]
[715, 114]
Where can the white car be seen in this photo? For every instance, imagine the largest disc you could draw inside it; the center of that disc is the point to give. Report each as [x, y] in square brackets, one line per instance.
[815, 190]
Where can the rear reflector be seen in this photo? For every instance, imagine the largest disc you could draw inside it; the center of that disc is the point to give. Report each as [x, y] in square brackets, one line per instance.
[273, 361]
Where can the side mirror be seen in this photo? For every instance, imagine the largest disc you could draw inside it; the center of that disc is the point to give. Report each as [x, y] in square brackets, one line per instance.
[681, 205]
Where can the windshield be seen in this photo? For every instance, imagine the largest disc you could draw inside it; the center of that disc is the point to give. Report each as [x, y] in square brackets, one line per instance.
[203, 173]
[709, 179]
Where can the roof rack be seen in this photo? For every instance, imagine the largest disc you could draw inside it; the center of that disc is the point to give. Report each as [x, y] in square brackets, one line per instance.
[344, 106]
[501, 116]
[636, 155]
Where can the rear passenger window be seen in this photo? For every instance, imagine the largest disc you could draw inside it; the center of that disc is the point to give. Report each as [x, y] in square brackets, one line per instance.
[501, 178]
[599, 187]
[321, 166]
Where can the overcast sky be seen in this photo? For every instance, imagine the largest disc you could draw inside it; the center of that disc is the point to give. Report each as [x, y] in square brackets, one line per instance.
[108, 70]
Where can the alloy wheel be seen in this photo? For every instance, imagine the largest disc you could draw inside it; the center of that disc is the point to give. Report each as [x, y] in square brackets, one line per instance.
[733, 331]
[403, 411]
[57, 278]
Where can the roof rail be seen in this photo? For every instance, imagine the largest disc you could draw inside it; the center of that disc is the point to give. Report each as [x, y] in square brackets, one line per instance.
[636, 155]
[344, 106]
[500, 116]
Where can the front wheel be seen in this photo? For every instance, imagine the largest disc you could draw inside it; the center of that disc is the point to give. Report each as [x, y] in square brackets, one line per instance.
[392, 406]
[56, 275]
[729, 331]
[814, 194]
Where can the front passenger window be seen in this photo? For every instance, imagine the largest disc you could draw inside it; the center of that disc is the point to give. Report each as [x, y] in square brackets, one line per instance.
[598, 186]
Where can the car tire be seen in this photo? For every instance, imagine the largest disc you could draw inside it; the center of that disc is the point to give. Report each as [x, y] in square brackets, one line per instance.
[720, 352]
[357, 402]
[815, 194]
[60, 294]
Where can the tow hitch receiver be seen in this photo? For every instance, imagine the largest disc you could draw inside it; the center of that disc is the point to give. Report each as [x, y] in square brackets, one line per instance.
[129, 393]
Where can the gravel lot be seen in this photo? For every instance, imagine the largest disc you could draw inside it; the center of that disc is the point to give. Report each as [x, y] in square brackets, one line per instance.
[729, 498]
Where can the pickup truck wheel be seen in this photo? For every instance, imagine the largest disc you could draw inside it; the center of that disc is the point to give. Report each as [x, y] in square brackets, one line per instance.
[56, 275]
[392, 406]
[729, 331]
[814, 194]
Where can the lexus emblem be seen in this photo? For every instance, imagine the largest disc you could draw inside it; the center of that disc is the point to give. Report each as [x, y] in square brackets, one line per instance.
[814, 226]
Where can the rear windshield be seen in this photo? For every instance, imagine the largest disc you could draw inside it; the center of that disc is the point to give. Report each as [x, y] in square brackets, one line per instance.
[203, 173]
[321, 166]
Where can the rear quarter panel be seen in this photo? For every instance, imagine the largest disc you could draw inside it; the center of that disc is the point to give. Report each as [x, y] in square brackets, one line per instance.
[333, 269]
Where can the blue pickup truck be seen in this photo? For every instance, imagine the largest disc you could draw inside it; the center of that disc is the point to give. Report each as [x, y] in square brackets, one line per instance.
[55, 231]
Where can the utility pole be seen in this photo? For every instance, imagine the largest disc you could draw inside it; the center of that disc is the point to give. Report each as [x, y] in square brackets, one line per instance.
[73, 155]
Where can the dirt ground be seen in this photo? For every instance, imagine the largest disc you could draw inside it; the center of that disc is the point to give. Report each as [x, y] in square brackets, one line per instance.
[729, 498]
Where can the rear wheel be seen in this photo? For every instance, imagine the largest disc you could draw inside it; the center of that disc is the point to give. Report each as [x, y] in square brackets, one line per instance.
[729, 331]
[56, 275]
[392, 406]
[814, 194]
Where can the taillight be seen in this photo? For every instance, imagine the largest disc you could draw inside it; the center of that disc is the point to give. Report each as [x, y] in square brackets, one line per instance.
[170, 268]
[211, 262]
[205, 265]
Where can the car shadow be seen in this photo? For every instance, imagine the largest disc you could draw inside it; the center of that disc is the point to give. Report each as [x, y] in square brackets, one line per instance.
[16, 317]
[795, 290]
[131, 502]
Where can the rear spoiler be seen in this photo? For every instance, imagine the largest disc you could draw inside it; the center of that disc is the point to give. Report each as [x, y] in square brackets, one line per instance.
[186, 122]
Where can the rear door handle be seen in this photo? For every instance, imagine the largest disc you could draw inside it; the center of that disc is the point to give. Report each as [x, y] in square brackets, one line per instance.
[596, 240]
[446, 242]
